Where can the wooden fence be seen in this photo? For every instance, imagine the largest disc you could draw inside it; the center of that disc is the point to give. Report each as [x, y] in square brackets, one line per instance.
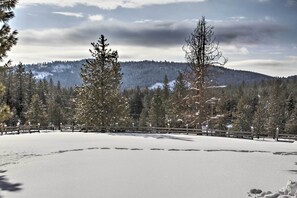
[167, 130]
[158, 130]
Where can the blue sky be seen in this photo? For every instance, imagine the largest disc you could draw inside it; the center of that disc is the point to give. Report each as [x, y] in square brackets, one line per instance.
[255, 35]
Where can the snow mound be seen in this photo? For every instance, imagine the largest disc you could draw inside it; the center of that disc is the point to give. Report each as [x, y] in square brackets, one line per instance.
[289, 191]
[160, 85]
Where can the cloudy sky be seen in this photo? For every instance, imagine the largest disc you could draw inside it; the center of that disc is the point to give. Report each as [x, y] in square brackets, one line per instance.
[255, 35]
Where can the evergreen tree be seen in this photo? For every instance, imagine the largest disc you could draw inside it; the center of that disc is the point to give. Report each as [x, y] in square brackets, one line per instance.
[260, 117]
[176, 107]
[55, 108]
[7, 36]
[165, 100]
[136, 105]
[99, 100]
[37, 111]
[223, 112]
[144, 116]
[201, 51]
[244, 115]
[20, 93]
[5, 112]
[166, 89]
[30, 88]
[291, 125]
[157, 111]
[276, 108]
[7, 40]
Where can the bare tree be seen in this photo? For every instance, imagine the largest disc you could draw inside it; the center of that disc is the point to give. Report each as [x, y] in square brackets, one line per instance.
[201, 51]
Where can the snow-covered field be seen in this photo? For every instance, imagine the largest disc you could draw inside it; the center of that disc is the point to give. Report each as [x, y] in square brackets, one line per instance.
[77, 165]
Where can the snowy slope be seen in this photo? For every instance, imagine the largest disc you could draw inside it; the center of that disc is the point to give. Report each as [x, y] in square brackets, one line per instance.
[140, 166]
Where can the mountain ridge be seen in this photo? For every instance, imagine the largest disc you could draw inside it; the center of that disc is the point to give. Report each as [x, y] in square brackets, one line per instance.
[140, 73]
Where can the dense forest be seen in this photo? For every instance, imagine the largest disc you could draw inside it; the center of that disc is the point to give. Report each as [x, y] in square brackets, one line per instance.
[263, 106]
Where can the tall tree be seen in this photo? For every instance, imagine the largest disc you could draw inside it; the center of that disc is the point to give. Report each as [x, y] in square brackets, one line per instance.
[20, 93]
[201, 51]
[7, 40]
[157, 111]
[291, 124]
[260, 117]
[7, 35]
[136, 105]
[244, 115]
[276, 108]
[99, 100]
[176, 107]
[4, 109]
[37, 111]
[166, 88]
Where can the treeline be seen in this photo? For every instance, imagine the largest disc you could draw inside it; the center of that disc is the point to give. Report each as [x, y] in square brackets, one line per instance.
[260, 107]
[34, 101]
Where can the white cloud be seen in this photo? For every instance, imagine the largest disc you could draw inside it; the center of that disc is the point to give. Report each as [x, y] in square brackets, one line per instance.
[233, 49]
[72, 14]
[104, 4]
[284, 67]
[238, 18]
[97, 17]
[152, 40]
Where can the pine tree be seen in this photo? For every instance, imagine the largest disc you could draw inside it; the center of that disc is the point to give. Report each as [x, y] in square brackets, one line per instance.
[165, 100]
[223, 112]
[37, 111]
[30, 88]
[136, 105]
[244, 115]
[166, 88]
[260, 117]
[176, 107]
[55, 105]
[5, 112]
[201, 51]
[100, 103]
[7, 36]
[291, 125]
[276, 108]
[144, 116]
[7, 40]
[20, 93]
[157, 111]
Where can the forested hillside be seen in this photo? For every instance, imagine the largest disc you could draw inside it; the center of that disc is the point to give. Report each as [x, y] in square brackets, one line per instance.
[142, 74]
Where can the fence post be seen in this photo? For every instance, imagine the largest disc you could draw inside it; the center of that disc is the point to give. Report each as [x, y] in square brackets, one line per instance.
[252, 132]
[277, 133]
[5, 128]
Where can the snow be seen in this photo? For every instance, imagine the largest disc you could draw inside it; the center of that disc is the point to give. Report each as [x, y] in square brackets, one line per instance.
[60, 68]
[160, 85]
[141, 165]
[41, 75]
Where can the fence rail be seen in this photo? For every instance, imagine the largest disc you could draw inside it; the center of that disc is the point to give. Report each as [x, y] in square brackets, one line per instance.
[160, 130]
[168, 130]
[20, 129]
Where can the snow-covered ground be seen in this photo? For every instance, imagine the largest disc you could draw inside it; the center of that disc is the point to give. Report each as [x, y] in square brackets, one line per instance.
[77, 165]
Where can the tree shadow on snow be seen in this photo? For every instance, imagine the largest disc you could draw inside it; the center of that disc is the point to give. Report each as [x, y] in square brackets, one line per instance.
[156, 136]
[294, 171]
[6, 185]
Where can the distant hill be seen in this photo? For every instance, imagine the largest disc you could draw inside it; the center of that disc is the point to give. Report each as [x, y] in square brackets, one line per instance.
[142, 73]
